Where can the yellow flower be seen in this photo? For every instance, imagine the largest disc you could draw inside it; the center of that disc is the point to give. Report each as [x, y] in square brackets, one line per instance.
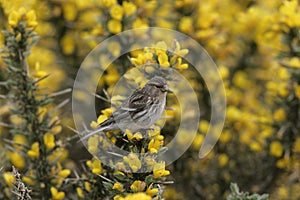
[223, 159]
[28, 180]
[283, 192]
[31, 19]
[56, 129]
[294, 63]
[179, 64]
[129, 8]
[38, 72]
[107, 111]
[16, 159]
[87, 186]
[138, 186]
[19, 141]
[255, 146]
[133, 161]
[9, 178]
[116, 12]
[297, 89]
[276, 149]
[139, 23]
[156, 143]
[163, 60]
[93, 144]
[159, 170]
[186, 25]
[138, 196]
[95, 166]
[107, 3]
[64, 173]
[34, 152]
[279, 115]
[198, 140]
[297, 146]
[114, 26]
[49, 141]
[68, 44]
[138, 136]
[13, 18]
[283, 163]
[152, 191]
[225, 136]
[118, 186]
[56, 195]
[16, 120]
[79, 192]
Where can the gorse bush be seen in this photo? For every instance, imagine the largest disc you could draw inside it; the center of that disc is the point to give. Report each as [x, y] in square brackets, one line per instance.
[255, 45]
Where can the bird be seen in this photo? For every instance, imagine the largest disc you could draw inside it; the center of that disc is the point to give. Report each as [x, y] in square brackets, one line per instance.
[139, 111]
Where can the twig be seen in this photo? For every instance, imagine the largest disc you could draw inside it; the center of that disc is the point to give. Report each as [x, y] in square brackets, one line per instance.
[55, 94]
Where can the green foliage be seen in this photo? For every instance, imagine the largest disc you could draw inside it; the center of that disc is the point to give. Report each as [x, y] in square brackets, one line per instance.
[236, 194]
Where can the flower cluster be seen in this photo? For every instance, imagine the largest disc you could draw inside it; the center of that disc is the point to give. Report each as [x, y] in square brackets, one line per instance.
[255, 45]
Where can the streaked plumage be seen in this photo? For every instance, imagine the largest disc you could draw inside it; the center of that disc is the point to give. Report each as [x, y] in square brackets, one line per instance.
[139, 111]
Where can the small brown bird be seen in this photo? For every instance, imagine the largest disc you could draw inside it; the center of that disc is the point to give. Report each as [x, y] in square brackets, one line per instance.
[139, 111]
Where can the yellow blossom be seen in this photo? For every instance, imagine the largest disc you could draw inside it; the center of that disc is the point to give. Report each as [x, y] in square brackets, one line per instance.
[225, 136]
[107, 3]
[87, 186]
[297, 146]
[16, 159]
[28, 180]
[223, 159]
[203, 126]
[70, 11]
[31, 19]
[116, 12]
[198, 140]
[255, 146]
[297, 89]
[13, 18]
[139, 23]
[49, 141]
[156, 143]
[159, 170]
[19, 141]
[179, 64]
[138, 196]
[186, 25]
[118, 186]
[129, 8]
[152, 191]
[138, 136]
[79, 192]
[9, 178]
[60, 154]
[114, 26]
[279, 115]
[68, 44]
[64, 173]
[138, 186]
[93, 144]
[283, 192]
[163, 60]
[56, 195]
[294, 63]
[16, 120]
[95, 166]
[276, 149]
[283, 163]
[56, 129]
[38, 72]
[34, 152]
[133, 161]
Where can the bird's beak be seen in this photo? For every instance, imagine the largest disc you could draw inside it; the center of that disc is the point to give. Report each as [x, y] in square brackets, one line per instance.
[170, 91]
